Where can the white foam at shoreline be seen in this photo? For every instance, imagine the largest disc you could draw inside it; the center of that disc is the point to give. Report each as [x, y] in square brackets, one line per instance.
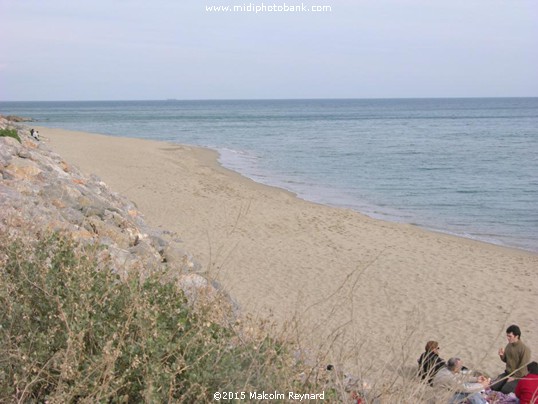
[247, 164]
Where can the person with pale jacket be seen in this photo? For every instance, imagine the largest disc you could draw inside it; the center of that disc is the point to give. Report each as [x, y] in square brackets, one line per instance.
[464, 388]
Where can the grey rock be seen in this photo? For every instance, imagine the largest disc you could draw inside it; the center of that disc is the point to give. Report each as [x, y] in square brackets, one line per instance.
[5, 157]
[12, 146]
[73, 216]
[40, 191]
[24, 153]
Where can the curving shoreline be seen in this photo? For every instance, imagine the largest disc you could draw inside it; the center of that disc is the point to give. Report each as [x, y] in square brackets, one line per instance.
[361, 287]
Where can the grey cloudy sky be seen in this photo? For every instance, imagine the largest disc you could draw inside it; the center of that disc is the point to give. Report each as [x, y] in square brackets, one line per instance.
[132, 49]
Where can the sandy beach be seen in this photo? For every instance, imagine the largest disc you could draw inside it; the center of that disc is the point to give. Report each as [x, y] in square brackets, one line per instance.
[369, 293]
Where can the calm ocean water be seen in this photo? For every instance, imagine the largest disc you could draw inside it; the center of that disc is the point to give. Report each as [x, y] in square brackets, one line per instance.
[463, 166]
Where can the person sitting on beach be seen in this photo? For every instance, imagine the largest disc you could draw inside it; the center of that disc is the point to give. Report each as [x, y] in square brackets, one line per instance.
[464, 388]
[429, 362]
[527, 387]
[34, 133]
[516, 355]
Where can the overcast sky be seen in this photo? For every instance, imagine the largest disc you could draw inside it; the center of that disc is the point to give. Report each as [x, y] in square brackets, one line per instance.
[159, 49]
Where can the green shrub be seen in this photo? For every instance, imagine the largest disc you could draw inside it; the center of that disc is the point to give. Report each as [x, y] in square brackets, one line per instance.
[10, 133]
[71, 332]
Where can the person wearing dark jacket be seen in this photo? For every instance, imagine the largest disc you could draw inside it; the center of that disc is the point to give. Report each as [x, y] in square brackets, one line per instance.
[429, 362]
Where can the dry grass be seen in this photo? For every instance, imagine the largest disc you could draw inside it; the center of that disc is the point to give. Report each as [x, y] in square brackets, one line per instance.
[74, 332]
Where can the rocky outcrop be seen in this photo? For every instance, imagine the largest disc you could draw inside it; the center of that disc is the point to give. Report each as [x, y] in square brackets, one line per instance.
[39, 192]
[15, 118]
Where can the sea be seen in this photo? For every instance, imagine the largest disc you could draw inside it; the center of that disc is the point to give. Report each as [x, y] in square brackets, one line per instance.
[468, 166]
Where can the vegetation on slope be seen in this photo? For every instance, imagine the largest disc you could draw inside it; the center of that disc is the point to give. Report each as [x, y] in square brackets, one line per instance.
[4, 132]
[73, 333]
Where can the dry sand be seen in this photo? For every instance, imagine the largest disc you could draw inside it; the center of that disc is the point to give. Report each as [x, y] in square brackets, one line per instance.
[372, 291]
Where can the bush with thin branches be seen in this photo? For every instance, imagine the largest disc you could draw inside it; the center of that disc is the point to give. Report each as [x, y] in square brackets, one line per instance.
[73, 333]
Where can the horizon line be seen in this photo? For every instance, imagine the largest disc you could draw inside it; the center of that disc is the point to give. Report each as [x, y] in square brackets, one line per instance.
[271, 99]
